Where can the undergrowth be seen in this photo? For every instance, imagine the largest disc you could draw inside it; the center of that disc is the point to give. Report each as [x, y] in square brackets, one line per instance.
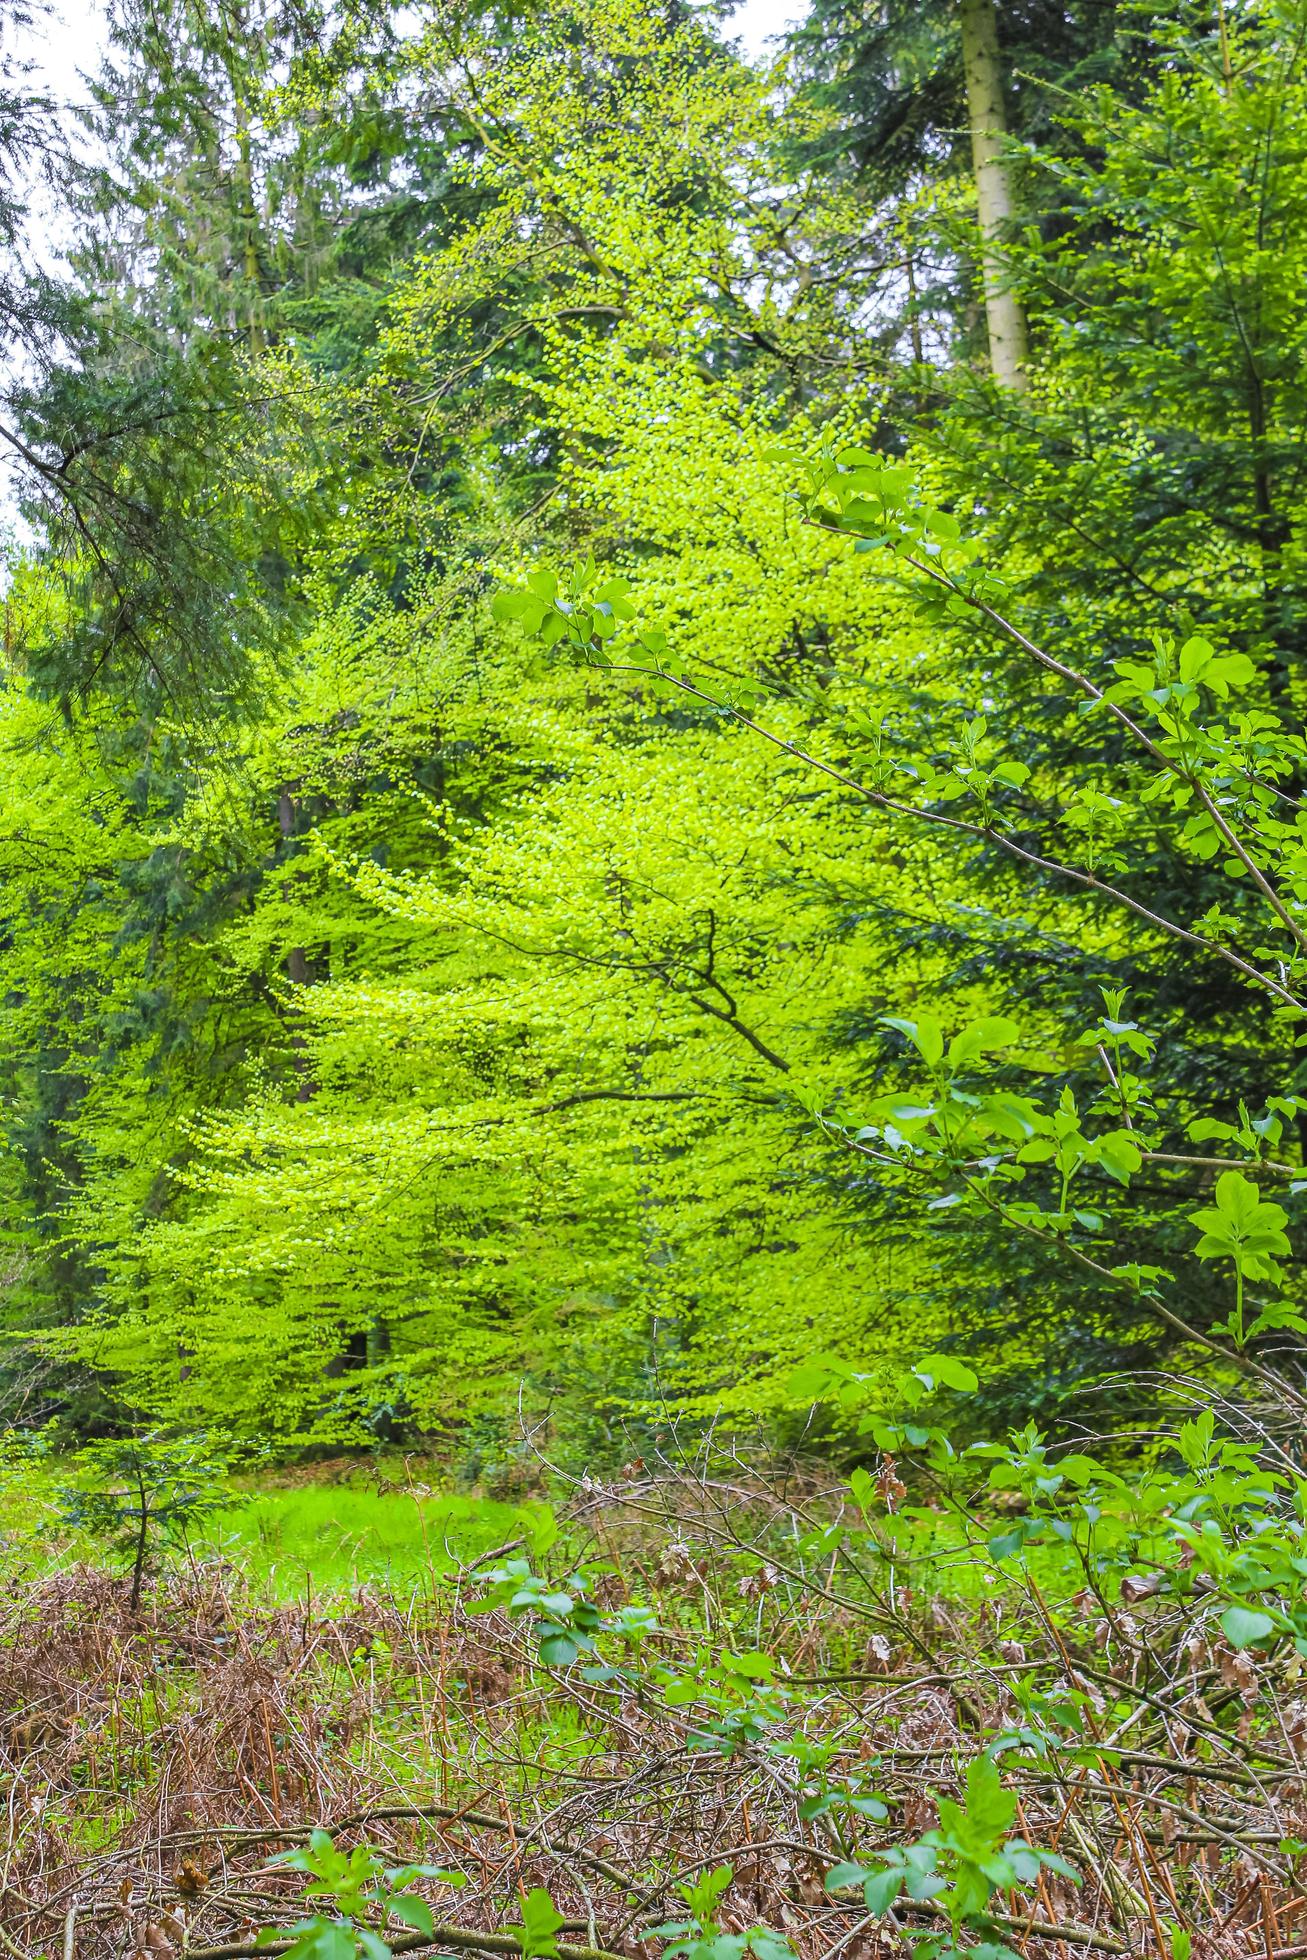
[699, 1709]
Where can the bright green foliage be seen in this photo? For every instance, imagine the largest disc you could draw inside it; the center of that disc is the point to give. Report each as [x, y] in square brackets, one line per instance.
[961, 1865]
[540, 1922]
[690, 838]
[563, 1621]
[1212, 777]
[367, 1895]
[701, 1936]
[637, 880]
[481, 1023]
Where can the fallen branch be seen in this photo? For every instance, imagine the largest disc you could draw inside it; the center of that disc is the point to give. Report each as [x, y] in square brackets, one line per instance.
[459, 1938]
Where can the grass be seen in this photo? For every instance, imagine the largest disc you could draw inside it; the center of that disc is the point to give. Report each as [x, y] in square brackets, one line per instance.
[333, 1538]
[345, 1527]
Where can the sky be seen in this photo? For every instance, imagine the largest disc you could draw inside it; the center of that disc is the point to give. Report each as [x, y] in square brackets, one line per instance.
[757, 20]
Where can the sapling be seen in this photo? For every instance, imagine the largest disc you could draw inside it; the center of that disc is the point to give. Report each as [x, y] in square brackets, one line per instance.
[137, 1491]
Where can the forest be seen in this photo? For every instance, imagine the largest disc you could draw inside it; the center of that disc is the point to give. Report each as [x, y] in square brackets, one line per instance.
[653, 955]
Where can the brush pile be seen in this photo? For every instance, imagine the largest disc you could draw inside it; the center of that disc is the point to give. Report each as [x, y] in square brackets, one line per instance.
[750, 1731]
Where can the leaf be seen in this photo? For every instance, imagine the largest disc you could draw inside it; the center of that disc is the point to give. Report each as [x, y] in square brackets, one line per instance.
[414, 1912]
[319, 1939]
[1229, 670]
[767, 1945]
[1243, 1626]
[540, 1921]
[1208, 1129]
[880, 1891]
[990, 1808]
[752, 1665]
[981, 1038]
[926, 1036]
[841, 1875]
[1241, 1222]
[402, 1875]
[1007, 1544]
[946, 1371]
[1195, 1439]
[1119, 1155]
[1279, 1314]
[1194, 657]
[902, 1109]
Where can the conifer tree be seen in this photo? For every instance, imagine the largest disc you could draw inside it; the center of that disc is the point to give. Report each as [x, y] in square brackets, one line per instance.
[921, 97]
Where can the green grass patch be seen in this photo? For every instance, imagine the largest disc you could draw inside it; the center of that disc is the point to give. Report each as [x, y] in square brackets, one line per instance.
[331, 1538]
[286, 1534]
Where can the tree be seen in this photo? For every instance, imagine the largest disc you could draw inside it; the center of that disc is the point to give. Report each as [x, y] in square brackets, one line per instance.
[466, 1022]
[917, 98]
[123, 431]
[136, 1492]
[586, 1152]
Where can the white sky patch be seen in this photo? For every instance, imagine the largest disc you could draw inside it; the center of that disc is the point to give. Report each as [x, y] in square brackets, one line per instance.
[63, 46]
[67, 44]
[757, 23]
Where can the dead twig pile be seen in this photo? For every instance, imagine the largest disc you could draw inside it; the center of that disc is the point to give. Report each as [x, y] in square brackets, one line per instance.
[153, 1763]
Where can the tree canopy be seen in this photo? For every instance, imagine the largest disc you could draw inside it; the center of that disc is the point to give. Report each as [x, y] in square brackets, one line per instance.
[557, 649]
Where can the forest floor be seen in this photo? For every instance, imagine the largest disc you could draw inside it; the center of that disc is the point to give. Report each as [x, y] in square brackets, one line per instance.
[782, 1719]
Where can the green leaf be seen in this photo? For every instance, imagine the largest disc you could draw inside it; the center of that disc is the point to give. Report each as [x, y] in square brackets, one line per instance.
[926, 1036]
[981, 1038]
[880, 1890]
[902, 1109]
[1243, 1627]
[946, 1371]
[1119, 1155]
[540, 1921]
[767, 1945]
[414, 1912]
[990, 1808]
[1241, 1223]
[841, 1875]
[318, 1939]
[509, 605]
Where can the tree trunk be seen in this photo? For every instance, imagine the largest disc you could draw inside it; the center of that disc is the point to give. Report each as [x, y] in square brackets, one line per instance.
[1004, 315]
[298, 970]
